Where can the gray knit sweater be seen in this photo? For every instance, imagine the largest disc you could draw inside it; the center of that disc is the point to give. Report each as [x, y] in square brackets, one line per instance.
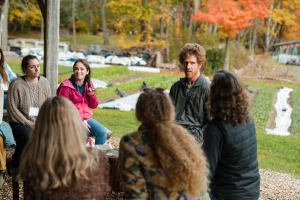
[22, 95]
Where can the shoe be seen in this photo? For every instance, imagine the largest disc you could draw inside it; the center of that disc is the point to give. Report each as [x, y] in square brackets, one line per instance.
[108, 134]
[12, 167]
[2, 178]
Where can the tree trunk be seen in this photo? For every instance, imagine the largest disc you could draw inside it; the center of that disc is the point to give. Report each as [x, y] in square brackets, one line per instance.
[4, 35]
[42, 29]
[254, 40]
[167, 41]
[268, 35]
[91, 21]
[74, 25]
[184, 21]
[104, 28]
[227, 53]
[174, 36]
[161, 21]
[215, 28]
[250, 38]
[193, 24]
[144, 26]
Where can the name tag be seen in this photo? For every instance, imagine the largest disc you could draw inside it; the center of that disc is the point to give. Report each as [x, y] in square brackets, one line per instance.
[33, 111]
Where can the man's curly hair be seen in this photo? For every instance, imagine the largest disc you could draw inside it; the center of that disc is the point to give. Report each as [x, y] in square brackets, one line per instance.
[227, 99]
[192, 49]
[176, 149]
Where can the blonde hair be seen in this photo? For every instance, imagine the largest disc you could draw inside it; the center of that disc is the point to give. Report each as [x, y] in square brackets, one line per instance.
[176, 149]
[56, 154]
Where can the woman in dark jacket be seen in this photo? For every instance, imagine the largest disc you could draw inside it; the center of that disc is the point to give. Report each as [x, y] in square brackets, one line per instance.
[230, 141]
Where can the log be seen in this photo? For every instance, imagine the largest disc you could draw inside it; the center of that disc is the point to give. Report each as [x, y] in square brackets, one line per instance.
[114, 172]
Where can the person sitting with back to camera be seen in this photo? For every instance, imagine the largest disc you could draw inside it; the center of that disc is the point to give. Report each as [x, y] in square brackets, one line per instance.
[230, 141]
[80, 90]
[63, 167]
[161, 160]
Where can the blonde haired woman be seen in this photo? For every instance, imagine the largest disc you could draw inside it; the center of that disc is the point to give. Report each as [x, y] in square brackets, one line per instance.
[56, 164]
[161, 160]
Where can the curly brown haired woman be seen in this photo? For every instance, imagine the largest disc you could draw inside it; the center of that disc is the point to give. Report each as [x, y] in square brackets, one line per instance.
[161, 160]
[230, 141]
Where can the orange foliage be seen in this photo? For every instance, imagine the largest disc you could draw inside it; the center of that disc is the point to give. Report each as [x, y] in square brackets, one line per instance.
[232, 15]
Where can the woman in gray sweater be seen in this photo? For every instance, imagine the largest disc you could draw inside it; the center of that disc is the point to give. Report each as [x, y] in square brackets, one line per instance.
[26, 94]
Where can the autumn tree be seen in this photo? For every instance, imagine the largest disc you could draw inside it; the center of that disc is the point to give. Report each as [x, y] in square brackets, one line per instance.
[232, 16]
[104, 28]
[131, 14]
[24, 15]
[283, 22]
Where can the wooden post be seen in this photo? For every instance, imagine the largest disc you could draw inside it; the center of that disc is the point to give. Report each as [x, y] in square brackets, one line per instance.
[4, 38]
[114, 172]
[51, 41]
[50, 12]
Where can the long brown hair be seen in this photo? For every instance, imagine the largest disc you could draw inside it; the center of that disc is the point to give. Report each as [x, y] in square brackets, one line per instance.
[2, 68]
[88, 68]
[176, 149]
[56, 154]
[227, 99]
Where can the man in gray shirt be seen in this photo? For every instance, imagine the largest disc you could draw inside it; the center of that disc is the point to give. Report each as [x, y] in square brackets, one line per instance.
[191, 92]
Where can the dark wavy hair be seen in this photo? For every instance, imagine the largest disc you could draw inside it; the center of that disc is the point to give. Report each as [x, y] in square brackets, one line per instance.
[88, 68]
[25, 62]
[227, 99]
[192, 49]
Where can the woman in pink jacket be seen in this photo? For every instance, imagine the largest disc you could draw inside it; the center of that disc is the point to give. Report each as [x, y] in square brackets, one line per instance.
[80, 90]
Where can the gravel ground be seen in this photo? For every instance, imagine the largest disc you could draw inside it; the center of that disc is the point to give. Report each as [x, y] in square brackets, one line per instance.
[274, 186]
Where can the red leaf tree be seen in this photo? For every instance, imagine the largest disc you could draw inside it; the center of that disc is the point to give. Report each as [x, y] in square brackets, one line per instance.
[232, 16]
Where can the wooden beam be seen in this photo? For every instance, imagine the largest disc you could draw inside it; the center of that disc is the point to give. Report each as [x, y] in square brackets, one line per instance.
[52, 39]
[50, 12]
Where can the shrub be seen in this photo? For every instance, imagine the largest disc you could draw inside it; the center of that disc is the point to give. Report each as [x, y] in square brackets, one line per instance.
[214, 60]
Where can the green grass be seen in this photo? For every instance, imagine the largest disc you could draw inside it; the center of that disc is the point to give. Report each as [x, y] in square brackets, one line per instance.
[154, 80]
[296, 112]
[278, 153]
[114, 73]
[120, 122]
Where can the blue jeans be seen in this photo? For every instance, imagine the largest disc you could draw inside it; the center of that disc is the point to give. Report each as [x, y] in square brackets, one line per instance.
[98, 131]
